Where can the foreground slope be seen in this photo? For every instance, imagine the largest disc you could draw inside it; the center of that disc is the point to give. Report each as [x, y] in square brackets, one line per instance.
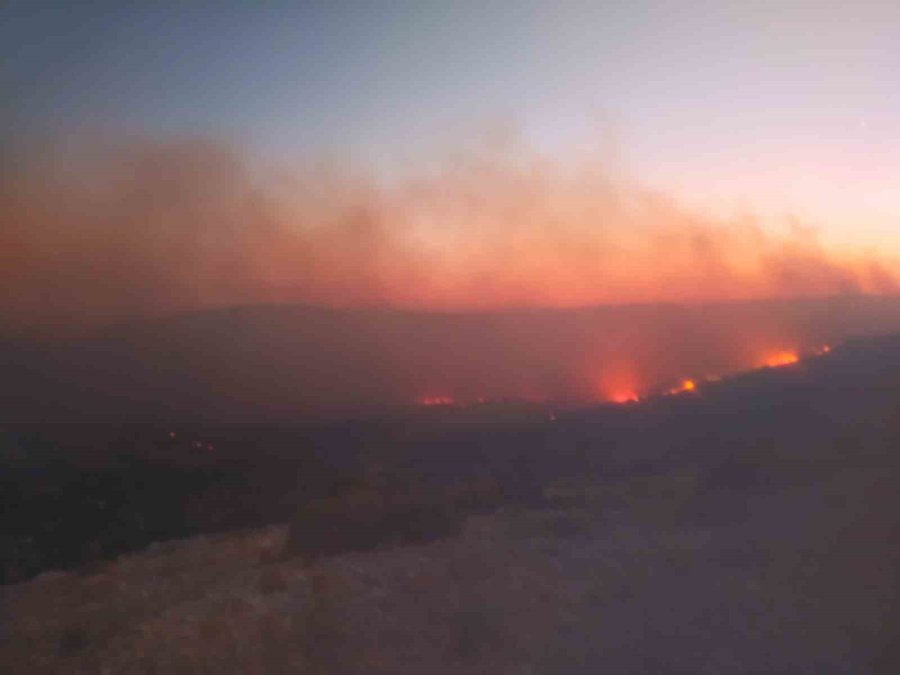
[750, 526]
[614, 576]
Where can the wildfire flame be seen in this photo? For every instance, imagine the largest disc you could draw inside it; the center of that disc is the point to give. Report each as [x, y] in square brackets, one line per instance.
[684, 386]
[788, 357]
[624, 397]
[621, 385]
[779, 359]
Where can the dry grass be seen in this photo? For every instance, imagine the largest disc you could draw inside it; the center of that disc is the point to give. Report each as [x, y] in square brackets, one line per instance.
[606, 580]
[221, 605]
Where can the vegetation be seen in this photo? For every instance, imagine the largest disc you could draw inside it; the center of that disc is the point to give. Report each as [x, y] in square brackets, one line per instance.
[747, 526]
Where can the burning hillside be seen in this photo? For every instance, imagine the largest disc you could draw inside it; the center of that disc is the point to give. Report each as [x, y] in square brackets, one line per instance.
[768, 502]
[494, 275]
[280, 362]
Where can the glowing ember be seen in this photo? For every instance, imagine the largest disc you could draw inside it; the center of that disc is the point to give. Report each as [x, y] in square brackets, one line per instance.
[779, 359]
[436, 400]
[684, 386]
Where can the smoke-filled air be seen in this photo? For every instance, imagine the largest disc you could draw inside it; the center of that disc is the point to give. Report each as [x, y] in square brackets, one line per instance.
[336, 206]
[147, 227]
[481, 277]
[521, 336]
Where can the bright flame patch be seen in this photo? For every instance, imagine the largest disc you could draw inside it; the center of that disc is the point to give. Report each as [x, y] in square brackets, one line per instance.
[684, 386]
[779, 359]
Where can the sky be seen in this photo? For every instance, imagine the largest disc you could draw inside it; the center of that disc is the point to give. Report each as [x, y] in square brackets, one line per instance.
[787, 112]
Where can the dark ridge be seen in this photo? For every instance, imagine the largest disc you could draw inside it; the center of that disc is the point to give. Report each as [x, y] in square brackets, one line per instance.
[75, 493]
[290, 364]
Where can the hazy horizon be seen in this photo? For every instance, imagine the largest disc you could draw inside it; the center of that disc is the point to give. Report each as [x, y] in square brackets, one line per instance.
[443, 156]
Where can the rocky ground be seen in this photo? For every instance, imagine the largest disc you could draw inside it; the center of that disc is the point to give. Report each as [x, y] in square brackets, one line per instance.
[653, 573]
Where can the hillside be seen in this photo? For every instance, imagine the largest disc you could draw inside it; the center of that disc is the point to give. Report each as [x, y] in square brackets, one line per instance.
[657, 572]
[750, 526]
[281, 364]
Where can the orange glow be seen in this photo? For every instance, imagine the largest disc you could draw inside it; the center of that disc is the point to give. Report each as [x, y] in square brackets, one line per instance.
[685, 386]
[520, 230]
[622, 383]
[778, 359]
[619, 382]
[624, 397]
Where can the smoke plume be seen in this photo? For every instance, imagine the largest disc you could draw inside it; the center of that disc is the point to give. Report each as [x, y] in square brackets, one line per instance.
[148, 227]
